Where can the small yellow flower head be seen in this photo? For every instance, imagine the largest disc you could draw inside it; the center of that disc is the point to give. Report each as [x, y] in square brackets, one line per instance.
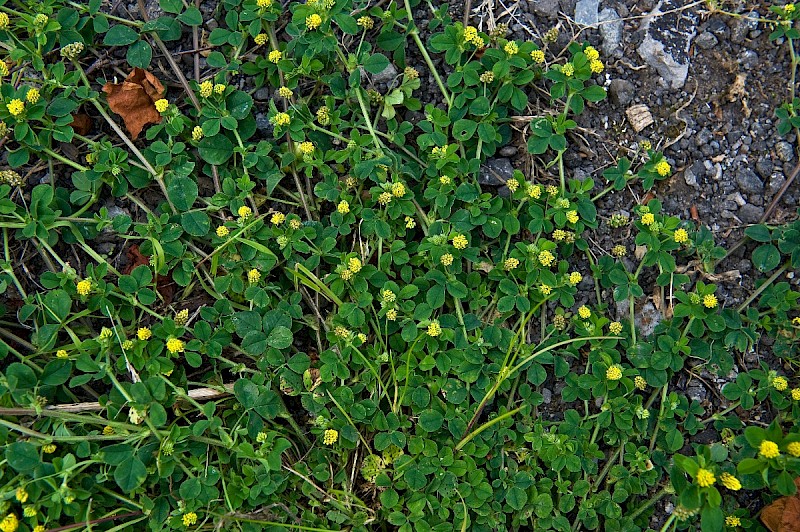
[366, 22]
[584, 312]
[49, 448]
[705, 478]
[546, 258]
[72, 51]
[343, 207]
[362, 337]
[572, 217]
[281, 119]
[206, 88]
[21, 495]
[730, 482]
[614, 373]
[3, 69]
[222, 231]
[512, 185]
[39, 528]
[733, 521]
[596, 66]
[534, 191]
[32, 96]
[511, 48]
[108, 430]
[648, 218]
[562, 203]
[219, 88]
[175, 346]
[681, 236]
[306, 148]
[263, 4]
[446, 259]
[768, 449]
[387, 296]
[40, 20]
[411, 72]
[615, 327]
[538, 56]
[794, 449]
[434, 329]
[330, 437]
[285, 92]
[445, 180]
[354, 265]
[487, 77]
[410, 222]
[261, 39]
[568, 70]
[323, 115]
[710, 301]
[29, 511]
[253, 276]
[275, 56]
[545, 289]
[162, 105]
[295, 224]
[575, 278]
[9, 524]
[4, 21]
[591, 53]
[780, 383]
[663, 168]
[619, 251]
[143, 333]
[105, 333]
[398, 190]
[639, 382]
[313, 21]
[559, 235]
[189, 519]
[460, 242]
[796, 394]
[197, 134]
[346, 275]
[127, 344]
[552, 190]
[391, 314]
[62, 353]
[278, 218]
[15, 107]
[510, 264]
[342, 332]
[470, 33]
[244, 212]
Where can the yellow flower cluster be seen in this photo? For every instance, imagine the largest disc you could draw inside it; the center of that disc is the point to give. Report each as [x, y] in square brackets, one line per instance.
[546, 258]
[796, 394]
[385, 198]
[341, 332]
[197, 133]
[391, 314]
[619, 251]
[596, 66]
[768, 449]
[15, 107]
[206, 88]
[512, 185]
[439, 151]
[545, 289]
[313, 21]
[366, 22]
[162, 105]
[511, 48]
[705, 478]
[49, 448]
[3, 66]
[285, 92]
[568, 70]
[323, 115]
[281, 119]
[222, 231]
[244, 212]
[398, 190]
[253, 276]
[62, 353]
[538, 56]
[143, 333]
[615, 327]
[219, 88]
[330, 437]
[4, 21]
[648, 218]
[572, 217]
[733, 521]
[277, 218]
[681, 236]
[663, 168]
[575, 278]
[614, 373]
[410, 222]
[471, 36]
[730, 482]
[445, 179]
[343, 207]
[794, 449]
[354, 265]
[21, 495]
[9, 524]
[446, 259]
[274, 56]
[261, 39]
[460, 242]
[510, 264]
[534, 191]
[591, 53]
[263, 4]
[32, 96]
[710, 301]
[306, 148]
[175, 346]
[387, 296]
[584, 312]
[411, 72]
[639, 382]
[189, 519]
[84, 287]
[434, 329]
[780, 383]
[105, 333]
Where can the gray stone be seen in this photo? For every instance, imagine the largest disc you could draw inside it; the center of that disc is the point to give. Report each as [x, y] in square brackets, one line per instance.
[696, 392]
[775, 184]
[495, 172]
[668, 36]
[706, 40]
[611, 30]
[211, 24]
[263, 124]
[547, 395]
[690, 177]
[508, 151]
[544, 8]
[785, 151]
[742, 26]
[621, 92]
[749, 59]
[749, 182]
[648, 318]
[261, 94]
[750, 213]
[384, 76]
[586, 12]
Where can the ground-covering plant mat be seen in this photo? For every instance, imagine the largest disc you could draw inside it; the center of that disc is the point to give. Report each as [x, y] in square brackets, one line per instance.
[355, 265]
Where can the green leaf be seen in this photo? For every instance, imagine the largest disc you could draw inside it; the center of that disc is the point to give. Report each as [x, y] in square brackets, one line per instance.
[22, 456]
[464, 129]
[182, 192]
[759, 233]
[516, 498]
[254, 343]
[196, 223]
[191, 17]
[376, 63]
[56, 372]
[766, 257]
[61, 107]
[215, 150]
[280, 337]
[239, 104]
[120, 35]
[431, 420]
[139, 55]
[130, 475]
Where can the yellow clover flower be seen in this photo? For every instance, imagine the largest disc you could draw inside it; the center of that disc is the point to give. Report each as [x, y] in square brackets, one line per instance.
[15, 107]
[84, 287]
[32, 96]
[768, 449]
[330, 437]
[434, 329]
[162, 105]
[222, 231]
[710, 301]
[253, 276]
[705, 478]
[343, 207]
[663, 168]
[275, 56]
[730, 482]
[537, 56]
[614, 373]
[143, 333]
[175, 346]
[460, 242]
[780, 383]
[189, 519]
[313, 21]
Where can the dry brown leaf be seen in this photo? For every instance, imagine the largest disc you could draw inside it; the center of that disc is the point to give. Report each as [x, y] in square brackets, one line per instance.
[134, 100]
[783, 515]
[81, 123]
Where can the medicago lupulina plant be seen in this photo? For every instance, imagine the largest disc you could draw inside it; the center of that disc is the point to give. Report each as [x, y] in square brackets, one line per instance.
[306, 312]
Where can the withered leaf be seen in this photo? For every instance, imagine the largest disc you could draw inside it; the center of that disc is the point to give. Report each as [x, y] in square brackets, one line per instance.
[81, 123]
[783, 515]
[134, 100]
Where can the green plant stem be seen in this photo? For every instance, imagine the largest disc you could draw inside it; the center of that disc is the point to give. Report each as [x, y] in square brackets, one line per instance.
[466, 439]
[412, 30]
[763, 287]
[668, 523]
[365, 112]
[654, 499]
